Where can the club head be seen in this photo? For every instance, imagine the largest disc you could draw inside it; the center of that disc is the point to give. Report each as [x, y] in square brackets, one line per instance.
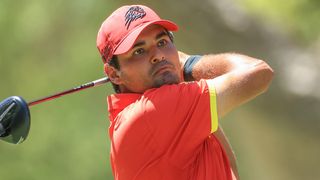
[14, 120]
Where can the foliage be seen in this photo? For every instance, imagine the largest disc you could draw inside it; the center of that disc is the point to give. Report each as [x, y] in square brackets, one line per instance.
[47, 46]
[298, 17]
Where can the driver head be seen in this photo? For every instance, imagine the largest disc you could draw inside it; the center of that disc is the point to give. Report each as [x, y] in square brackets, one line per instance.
[14, 120]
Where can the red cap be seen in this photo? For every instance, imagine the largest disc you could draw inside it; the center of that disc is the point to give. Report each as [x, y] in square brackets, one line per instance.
[120, 30]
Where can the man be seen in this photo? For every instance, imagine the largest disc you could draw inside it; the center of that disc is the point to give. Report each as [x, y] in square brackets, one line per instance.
[161, 126]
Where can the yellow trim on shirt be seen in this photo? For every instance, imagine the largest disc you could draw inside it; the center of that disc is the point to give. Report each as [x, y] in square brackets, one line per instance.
[213, 106]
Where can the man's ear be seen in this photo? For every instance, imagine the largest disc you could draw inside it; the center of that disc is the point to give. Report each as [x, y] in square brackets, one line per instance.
[113, 74]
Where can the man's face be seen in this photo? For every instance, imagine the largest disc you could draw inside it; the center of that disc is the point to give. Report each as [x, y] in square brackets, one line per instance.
[152, 62]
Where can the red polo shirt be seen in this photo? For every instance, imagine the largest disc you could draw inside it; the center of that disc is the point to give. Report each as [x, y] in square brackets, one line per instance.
[166, 133]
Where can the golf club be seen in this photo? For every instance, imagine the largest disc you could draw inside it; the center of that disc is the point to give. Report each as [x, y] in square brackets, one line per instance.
[15, 113]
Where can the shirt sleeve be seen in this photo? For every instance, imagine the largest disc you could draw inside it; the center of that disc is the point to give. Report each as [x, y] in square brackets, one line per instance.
[213, 106]
[181, 117]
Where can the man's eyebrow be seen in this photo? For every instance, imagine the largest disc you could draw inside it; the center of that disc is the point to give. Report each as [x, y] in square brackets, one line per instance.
[141, 43]
[161, 34]
[158, 36]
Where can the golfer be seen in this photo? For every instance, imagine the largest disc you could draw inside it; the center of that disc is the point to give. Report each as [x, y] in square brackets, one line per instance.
[164, 114]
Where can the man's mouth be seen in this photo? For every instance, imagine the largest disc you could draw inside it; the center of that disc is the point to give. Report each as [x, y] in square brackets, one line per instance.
[162, 69]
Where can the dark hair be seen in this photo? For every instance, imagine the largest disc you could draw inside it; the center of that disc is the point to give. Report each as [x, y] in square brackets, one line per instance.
[114, 62]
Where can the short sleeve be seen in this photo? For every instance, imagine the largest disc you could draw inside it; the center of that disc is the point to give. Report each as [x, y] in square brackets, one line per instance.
[181, 117]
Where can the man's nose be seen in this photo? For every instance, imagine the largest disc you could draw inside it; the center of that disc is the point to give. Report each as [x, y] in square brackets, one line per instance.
[157, 56]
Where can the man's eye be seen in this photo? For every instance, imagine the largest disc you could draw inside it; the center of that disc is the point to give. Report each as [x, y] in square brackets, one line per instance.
[162, 43]
[138, 51]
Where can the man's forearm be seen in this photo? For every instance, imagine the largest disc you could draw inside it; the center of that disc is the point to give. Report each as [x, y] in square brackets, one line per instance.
[237, 78]
[214, 65]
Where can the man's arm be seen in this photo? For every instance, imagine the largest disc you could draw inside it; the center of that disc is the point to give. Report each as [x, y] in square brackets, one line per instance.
[228, 66]
[237, 78]
[227, 147]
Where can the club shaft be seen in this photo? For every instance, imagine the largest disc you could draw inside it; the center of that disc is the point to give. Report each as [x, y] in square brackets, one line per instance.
[79, 88]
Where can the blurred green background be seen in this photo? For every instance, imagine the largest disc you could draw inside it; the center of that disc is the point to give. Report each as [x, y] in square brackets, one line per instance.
[49, 46]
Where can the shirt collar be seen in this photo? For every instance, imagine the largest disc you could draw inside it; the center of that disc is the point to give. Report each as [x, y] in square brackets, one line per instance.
[117, 102]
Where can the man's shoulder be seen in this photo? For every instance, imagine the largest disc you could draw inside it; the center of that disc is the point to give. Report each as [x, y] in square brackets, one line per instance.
[177, 89]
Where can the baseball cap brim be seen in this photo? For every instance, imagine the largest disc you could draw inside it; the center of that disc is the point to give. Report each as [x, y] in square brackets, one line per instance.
[128, 41]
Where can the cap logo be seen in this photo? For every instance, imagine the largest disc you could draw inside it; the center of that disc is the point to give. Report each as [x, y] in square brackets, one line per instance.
[133, 14]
